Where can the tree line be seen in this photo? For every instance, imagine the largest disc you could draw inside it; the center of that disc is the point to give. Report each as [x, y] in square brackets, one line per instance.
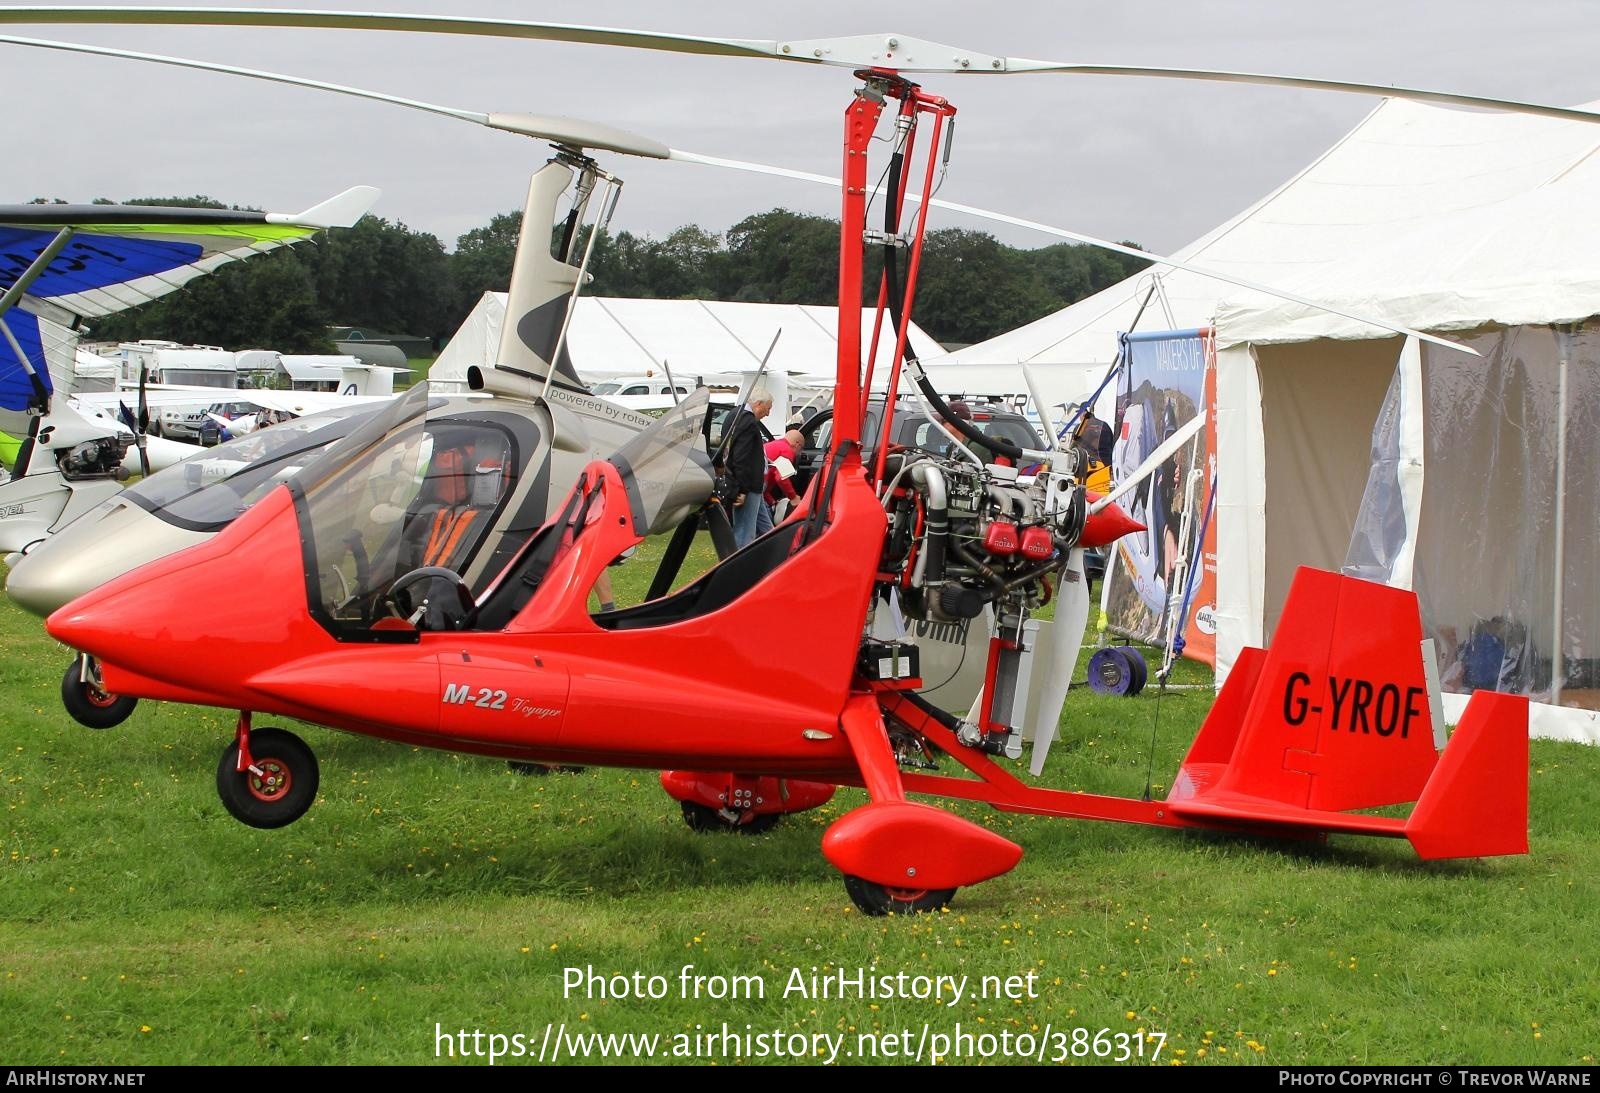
[384, 276]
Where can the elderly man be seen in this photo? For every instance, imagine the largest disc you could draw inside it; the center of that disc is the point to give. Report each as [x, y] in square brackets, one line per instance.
[747, 464]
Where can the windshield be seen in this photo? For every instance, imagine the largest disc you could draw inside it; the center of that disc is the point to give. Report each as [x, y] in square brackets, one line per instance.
[400, 493]
[659, 468]
[204, 493]
[924, 434]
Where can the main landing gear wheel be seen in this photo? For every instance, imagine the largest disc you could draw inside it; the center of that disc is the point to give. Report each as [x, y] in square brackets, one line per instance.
[704, 818]
[541, 769]
[880, 899]
[285, 787]
[90, 704]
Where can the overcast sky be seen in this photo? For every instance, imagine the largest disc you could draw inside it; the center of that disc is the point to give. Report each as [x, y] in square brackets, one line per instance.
[1155, 161]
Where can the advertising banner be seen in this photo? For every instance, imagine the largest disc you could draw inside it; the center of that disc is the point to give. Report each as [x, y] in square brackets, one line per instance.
[1167, 378]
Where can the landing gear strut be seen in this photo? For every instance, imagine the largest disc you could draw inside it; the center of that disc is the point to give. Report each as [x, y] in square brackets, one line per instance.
[267, 777]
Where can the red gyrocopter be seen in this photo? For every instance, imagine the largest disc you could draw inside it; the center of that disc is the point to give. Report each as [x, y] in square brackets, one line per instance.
[1337, 717]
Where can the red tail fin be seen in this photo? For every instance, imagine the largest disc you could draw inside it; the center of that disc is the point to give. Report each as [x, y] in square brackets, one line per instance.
[1339, 715]
[1336, 717]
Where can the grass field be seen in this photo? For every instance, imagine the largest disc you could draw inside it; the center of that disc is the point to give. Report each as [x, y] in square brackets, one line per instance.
[427, 895]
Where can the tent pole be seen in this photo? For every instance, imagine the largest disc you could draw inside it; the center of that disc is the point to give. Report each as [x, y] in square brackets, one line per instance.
[1564, 339]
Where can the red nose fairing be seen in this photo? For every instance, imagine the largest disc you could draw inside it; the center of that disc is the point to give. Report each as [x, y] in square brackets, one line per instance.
[162, 632]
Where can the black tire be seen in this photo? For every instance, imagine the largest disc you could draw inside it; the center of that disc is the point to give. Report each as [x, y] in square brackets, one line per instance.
[541, 769]
[704, 818]
[89, 704]
[287, 787]
[878, 899]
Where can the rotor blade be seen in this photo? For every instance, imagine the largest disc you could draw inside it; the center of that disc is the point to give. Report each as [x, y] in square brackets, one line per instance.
[891, 52]
[422, 24]
[572, 131]
[568, 131]
[1417, 94]
[1119, 248]
[1178, 439]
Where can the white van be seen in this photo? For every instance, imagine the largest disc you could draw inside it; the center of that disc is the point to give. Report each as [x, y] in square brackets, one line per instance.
[639, 385]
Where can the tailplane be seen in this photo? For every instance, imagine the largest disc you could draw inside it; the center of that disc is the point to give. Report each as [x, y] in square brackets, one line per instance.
[1336, 716]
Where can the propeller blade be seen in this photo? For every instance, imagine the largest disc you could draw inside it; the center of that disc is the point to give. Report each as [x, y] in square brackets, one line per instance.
[1072, 615]
[721, 530]
[891, 52]
[1048, 426]
[577, 133]
[141, 434]
[672, 558]
[1178, 439]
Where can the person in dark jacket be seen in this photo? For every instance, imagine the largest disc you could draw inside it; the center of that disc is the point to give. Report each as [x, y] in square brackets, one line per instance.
[747, 464]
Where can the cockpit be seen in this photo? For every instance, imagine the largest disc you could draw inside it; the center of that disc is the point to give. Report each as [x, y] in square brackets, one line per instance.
[390, 518]
[404, 492]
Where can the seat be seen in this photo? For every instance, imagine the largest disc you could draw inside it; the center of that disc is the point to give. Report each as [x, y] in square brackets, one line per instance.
[443, 523]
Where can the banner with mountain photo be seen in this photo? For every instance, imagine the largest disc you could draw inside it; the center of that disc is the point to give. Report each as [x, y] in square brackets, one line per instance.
[1170, 568]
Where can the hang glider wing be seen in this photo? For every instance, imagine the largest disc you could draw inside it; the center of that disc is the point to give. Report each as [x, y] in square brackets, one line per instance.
[61, 264]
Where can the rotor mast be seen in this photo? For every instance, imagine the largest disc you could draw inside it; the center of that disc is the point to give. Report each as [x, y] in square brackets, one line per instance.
[861, 120]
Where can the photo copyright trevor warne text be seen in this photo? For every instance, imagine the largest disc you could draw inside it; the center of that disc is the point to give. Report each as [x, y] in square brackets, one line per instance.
[935, 1041]
[1436, 1077]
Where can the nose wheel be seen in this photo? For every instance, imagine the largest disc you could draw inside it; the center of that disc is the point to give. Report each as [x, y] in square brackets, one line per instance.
[880, 899]
[277, 783]
[87, 701]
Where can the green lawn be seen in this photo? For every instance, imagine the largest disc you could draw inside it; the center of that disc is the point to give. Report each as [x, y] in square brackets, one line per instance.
[426, 895]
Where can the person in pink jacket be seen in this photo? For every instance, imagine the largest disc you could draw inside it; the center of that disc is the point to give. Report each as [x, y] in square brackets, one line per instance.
[779, 484]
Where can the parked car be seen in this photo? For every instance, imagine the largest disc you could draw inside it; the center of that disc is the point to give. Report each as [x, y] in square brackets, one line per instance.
[640, 385]
[206, 428]
[912, 429]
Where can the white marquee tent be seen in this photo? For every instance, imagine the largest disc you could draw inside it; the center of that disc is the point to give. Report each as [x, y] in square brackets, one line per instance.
[1446, 221]
[623, 337]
